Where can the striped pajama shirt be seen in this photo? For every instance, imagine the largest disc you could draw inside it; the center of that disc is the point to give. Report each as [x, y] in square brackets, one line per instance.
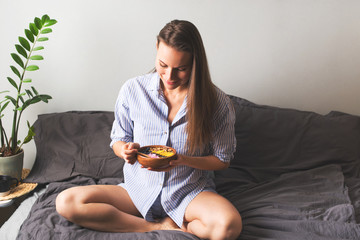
[141, 116]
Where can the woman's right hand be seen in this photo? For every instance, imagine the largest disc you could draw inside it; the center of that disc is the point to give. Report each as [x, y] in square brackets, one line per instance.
[126, 151]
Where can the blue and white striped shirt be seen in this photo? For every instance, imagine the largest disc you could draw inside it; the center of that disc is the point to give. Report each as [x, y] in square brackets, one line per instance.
[141, 116]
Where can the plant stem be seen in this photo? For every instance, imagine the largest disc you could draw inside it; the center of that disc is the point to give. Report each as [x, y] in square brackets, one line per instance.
[2, 134]
[18, 123]
[16, 119]
[14, 138]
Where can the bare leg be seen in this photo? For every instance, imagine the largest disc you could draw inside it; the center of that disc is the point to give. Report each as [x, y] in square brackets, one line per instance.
[212, 216]
[105, 208]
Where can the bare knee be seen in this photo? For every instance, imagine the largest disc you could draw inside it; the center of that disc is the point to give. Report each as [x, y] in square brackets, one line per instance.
[211, 216]
[67, 203]
[227, 228]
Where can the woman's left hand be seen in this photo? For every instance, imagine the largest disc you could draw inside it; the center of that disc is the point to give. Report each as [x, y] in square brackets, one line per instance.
[180, 160]
[173, 163]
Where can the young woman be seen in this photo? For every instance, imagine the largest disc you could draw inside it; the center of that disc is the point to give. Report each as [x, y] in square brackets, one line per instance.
[177, 106]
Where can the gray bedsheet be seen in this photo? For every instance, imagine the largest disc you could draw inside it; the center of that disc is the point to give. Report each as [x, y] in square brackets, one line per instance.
[311, 204]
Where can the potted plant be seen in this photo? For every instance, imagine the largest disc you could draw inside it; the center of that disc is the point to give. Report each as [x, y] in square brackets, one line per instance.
[11, 152]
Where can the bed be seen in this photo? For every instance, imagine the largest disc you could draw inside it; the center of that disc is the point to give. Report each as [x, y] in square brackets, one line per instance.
[295, 174]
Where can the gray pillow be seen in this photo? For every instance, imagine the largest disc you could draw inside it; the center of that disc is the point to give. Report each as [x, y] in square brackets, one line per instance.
[74, 143]
[272, 141]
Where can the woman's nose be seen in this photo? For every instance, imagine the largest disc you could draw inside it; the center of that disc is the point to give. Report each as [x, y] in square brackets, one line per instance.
[169, 74]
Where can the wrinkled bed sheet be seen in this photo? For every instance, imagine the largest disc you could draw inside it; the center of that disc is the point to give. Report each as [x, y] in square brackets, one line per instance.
[311, 204]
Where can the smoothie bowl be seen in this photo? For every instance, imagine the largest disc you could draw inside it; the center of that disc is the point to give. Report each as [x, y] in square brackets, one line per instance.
[156, 156]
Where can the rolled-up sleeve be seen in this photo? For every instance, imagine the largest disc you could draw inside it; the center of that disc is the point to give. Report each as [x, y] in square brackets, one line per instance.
[122, 129]
[224, 140]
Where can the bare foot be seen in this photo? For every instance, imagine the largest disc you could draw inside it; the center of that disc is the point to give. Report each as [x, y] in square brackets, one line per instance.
[168, 224]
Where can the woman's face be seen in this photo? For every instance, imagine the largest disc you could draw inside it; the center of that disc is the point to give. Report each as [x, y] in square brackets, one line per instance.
[173, 67]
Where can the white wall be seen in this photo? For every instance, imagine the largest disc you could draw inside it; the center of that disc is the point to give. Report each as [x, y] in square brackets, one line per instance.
[301, 54]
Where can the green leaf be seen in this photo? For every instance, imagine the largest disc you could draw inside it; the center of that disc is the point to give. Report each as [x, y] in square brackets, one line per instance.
[34, 90]
[46, 30]
[4, 91]
[35, 99]
[21, 50]
[44, 19]
[38, 23]
[43, 39]
[33, 29]
[14, 69]
[38, 48]
[29, 93]
[36, 57]
[29, 35]
[24, 43]
[27, 80]
[4, 106]
[21, 98]
[11, 99]
[26, 104]
[50, 23]
[31, 101]
[12, 82]
[32, 68]
[30, 136]
[17, 59]
[45, 98]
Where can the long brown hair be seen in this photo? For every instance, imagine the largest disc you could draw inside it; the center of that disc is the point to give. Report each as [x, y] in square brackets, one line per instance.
[201, 99]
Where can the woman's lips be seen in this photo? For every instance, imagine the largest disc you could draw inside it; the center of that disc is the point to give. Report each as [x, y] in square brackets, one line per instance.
[170, 82]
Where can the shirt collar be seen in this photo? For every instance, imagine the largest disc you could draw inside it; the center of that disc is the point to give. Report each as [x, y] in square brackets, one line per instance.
[155, 87]
[155, 82]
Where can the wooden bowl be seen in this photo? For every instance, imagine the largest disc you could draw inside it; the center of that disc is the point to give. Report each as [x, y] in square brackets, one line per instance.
[160, 162]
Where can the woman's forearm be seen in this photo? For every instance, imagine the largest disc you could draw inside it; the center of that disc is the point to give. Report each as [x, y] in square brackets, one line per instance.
[204, 163]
